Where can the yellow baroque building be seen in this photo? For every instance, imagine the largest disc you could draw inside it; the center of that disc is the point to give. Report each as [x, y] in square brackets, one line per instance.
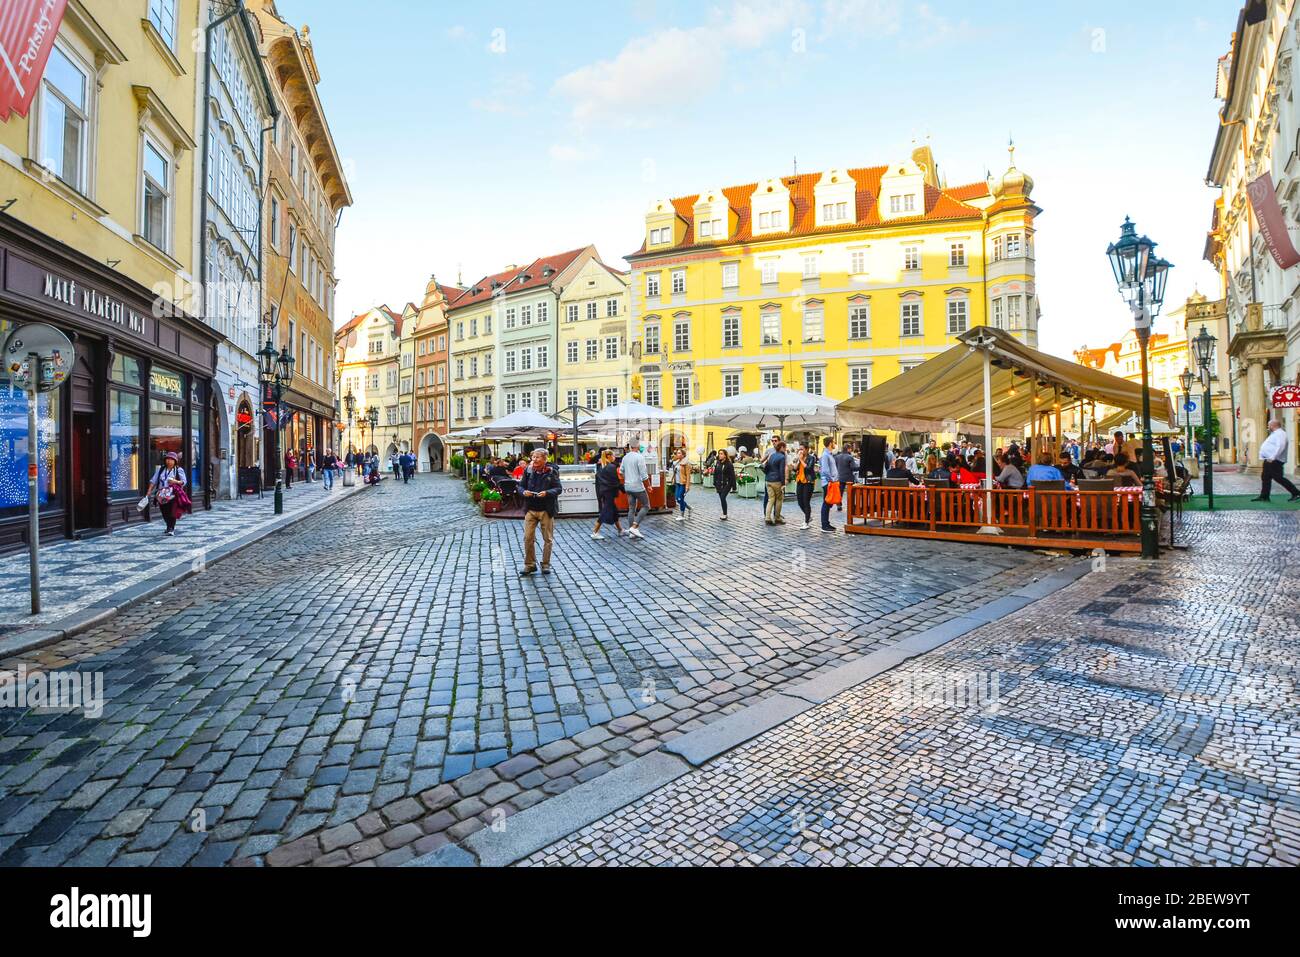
[826, 282]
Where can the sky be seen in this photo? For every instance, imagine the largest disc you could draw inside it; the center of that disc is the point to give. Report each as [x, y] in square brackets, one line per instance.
[480, 135]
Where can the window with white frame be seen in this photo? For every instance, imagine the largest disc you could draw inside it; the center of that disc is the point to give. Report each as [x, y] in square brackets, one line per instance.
[611, 308]
[525, 315]
[525, 400]
[460, 369]
[593, 398]
[511, 360]
[652, 392]
[661, 235]
[571, 351]
[571, 398]
[571, 312]
[679, 281]
[593, 350]
[769, 271]
[958, 316]
[998, 320]
[473, 407]
[730, 275]
[156, 190]
[731, 330]
[908, 365]
[591, 309]
[814, 380]
[956, 255]
[997, 249]
[652, 339]
[460, 408]
[487, 325]
[543, 357]
[911, 257]
[810, 268]
[771, 378]
[274, 216]
[859, 380]
[1013, 245]
[814, 324]
[543, 312]
[682, 336]
[611, 347]
[65, 119]
[770, 328]
[860, 321]
[835, 212]
[652, 284]
[473, 367]
[487, 405]
[1015, 312]
[681, 391]
[911, 318]
[162, 14]
[511, 318]
[525, 360]
[512, 401]
[858, 261]
[730, 384]
[543, 401]
[473, 328]
[611, 397]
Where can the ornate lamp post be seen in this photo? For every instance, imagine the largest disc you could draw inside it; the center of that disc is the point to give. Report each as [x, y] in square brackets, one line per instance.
[373, 415]
[1141, 277]
[350, 405]
[1186, 380]
[1203, 346]
[275, 370]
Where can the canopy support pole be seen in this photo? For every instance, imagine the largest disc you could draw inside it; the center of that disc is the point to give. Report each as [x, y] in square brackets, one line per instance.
[988, 529]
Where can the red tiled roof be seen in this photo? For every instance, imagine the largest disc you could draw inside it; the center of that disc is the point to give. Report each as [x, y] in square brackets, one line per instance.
[482, 290]
[968, 191]
[939, 205]
[534, 275]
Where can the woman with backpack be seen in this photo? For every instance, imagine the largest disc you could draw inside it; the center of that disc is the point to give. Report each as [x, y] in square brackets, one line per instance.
[169, 483]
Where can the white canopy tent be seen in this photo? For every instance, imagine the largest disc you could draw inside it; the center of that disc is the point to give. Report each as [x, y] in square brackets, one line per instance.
[524, 424]
[626, 417]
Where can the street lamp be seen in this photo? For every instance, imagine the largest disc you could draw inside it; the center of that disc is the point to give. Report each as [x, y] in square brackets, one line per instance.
[350, 404]
[1203, 345]
[275, 370]
[1141, 277]
[373, 415]
[1187, 379]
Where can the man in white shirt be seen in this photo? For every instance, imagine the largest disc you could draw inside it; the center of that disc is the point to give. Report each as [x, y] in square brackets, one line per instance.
[636, 483]
[1272, 457]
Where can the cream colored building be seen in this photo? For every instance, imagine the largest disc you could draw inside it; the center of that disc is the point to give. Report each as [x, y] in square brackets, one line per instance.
[595, 360]
[368, 349]
[472, 321]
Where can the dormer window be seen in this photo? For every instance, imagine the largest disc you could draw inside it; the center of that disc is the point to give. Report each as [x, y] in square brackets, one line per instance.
[836, 198]
[661, 236]
[835, 212]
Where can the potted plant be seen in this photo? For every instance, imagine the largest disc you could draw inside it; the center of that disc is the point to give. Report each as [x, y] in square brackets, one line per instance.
[458, 463]
[491, 501]
[477, 490]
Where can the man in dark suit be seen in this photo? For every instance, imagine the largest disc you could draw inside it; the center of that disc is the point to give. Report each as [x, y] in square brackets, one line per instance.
[540, 489]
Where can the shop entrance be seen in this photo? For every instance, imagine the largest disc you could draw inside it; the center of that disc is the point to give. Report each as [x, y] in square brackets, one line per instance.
[86, 475]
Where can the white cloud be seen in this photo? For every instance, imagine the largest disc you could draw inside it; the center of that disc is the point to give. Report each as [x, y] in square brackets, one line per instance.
[566, 153]
[457, 32]
[862, 16]
[508, 94]
[653, 72]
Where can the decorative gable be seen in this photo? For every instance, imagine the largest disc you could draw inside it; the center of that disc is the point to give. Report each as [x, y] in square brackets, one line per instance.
[714, 220]
[771, 210]
[902, 192]
[836, 199]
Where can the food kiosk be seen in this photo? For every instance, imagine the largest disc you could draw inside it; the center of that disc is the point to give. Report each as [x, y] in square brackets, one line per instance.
[579, 490]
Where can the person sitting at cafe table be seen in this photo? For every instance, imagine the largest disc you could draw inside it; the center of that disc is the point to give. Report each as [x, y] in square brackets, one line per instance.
[1043, 471]
[938, 470]
[975, 473]
[1008, 476]
[1065, 464]
[899, 470]
[1123, 475]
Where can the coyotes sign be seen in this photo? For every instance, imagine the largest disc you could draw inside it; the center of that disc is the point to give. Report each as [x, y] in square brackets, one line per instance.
[27, 31]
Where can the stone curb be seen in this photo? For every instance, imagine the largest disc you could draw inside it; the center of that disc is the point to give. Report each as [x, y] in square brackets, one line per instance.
[30, 639]
[544, 824]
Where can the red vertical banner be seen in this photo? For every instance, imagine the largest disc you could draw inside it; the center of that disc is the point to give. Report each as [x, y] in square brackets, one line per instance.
[27, 32]
[1272, 223]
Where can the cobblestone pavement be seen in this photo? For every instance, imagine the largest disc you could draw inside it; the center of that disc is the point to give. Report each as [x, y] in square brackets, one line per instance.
[1138, 716]
[375, 681]
[76, 574]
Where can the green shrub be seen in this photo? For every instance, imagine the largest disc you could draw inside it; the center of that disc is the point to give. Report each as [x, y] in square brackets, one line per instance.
[458, 462]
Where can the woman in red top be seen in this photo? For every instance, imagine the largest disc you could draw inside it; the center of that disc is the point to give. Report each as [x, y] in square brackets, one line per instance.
[975, 474]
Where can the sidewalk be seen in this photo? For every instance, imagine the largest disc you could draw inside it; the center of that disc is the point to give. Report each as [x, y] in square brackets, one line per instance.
[1142, 715]
[86, 582]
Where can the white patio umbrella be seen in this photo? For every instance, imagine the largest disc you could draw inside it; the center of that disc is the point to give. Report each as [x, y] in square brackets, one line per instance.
[526, 423]
[764, 410]
[626, 417]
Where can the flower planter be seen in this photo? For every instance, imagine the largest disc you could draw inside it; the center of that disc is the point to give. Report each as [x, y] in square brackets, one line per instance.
[708, 480]
[491, 506]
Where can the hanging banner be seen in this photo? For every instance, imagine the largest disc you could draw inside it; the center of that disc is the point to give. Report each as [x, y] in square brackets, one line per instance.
[27, 32]
[1272, 223]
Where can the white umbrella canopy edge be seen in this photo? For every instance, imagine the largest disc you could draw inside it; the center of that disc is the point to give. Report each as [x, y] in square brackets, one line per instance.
[767, 408]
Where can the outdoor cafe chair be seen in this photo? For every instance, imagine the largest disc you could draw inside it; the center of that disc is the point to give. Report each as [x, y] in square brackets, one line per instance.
[1097, 485]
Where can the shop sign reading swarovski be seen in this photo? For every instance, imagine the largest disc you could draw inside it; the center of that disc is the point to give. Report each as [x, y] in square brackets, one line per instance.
[92, 302]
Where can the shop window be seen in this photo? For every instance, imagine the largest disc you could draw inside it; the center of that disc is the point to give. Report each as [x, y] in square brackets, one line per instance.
[166, 416]
[123, 442]
[125, 370]
[14, 451]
